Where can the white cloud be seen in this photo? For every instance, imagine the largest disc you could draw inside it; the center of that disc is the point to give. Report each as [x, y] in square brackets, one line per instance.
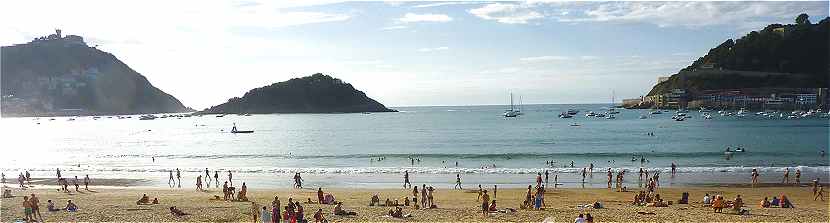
[424, 50]
[507, 13]
[742, 15]
[543, 58]
[393, 27]
[412, 17]
[436, 4]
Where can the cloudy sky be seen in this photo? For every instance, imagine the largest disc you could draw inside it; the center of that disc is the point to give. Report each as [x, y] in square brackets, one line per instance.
[404, 53]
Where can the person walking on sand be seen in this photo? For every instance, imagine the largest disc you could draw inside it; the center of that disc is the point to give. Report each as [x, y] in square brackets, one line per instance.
[815, 186]
[754, 177]
[199, 183]
[171, 180]
[179, 177]
[28, 178]
[786, 179]
[819, 193]
[458, 182]
[406, 179]
[207, 177]
[480, 192]
[86, 182]
[75, 182]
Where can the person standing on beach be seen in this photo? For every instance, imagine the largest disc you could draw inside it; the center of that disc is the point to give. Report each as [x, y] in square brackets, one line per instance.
[641, 174]
[583, 175]
[230, 177]
[797, 176]
[429, 196]
[34, 203]
[28, 178]
[216, 177]
[424, 196]
[458, 182]
[546, 176]
[75, 182]
[27, 209]
[538, 179]
[406, 179]
[485, 201]
[495, 190]
[590, 170]
[673, 168]
[609, 177]
[754, 177]
[480, 192]
[786, 179]
[86, 182]
[179, 177]
[59, 172]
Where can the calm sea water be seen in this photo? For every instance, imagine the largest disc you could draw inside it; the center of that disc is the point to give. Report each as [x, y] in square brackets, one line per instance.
[342, 149]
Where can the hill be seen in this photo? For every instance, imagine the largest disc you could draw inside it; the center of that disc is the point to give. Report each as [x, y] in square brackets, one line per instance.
[317, 93]
[56, 75]
[779, 56]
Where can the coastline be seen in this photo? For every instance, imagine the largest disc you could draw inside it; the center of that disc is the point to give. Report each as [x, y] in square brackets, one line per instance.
[118, 204]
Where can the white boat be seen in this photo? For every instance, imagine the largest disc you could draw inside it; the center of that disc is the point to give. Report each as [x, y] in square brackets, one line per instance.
[643, 117]
[590, 114]
[147, 117]
[572, 111]
[512, 112]
[740, 150]
[575, 124]
[565, 115]
[610, 116]
[707, 116]
[680, 119]
[656, 112]
[599, 115]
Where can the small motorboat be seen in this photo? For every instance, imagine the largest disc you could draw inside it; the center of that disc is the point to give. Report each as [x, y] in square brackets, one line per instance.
[575, 124]
[643, 117]
[740, 150]
[565, 115]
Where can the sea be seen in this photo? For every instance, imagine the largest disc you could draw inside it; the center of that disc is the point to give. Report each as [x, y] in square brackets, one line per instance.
[432, 144]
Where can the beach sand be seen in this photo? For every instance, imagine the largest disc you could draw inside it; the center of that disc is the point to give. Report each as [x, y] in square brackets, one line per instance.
[118, 204]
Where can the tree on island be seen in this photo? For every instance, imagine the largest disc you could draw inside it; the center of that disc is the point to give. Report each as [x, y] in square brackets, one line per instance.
[803, 19]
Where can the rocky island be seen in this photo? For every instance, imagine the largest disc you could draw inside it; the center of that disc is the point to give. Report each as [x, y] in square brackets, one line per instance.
[62, 75]
[317, 93]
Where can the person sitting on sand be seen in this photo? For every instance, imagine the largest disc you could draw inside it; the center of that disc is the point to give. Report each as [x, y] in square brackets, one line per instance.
[785, 202]
[144, 200]
[338, 210]
[580, 219]
[493, 207]
[765, 203]
[318, 216]
[707, 201]
[155, 200]
[309, 201]
[738, 204]
[71, 207]
[243, 193]
[50, 206]
[374, 200]
[176, 212]
[397, 212]
[718, 204]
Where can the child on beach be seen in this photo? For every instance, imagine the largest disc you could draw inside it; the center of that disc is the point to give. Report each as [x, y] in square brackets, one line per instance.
[27, 209]
[71, 207]
[50, 206]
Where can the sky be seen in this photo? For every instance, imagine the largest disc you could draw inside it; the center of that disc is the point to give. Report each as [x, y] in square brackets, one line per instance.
[404, 53]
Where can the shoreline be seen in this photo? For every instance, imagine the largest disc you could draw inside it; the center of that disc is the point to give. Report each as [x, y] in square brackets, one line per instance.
[118, 204]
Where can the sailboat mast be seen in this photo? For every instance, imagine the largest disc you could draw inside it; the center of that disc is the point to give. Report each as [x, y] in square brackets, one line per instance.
[511, 101]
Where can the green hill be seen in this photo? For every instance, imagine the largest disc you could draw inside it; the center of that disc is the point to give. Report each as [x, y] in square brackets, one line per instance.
[317, 93]
[779, 56]
[54, 73]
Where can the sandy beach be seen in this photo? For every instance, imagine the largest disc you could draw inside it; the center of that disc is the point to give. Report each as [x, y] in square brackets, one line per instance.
[119, 204]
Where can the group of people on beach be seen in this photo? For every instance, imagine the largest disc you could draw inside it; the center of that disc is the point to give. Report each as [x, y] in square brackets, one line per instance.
[31, 208]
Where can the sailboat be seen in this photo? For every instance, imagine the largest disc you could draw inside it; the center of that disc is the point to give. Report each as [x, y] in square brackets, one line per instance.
[512, 112]
[611, 109]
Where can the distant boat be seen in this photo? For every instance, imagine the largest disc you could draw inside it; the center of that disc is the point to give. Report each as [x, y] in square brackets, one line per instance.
[590, 114]
[565, 115]
[247, 114]
[575, 124]
[512, 112]
[707, 116]
[611, 109]
[147, 117]
[643, 117]
[599, 115]
[572, 111]
[611, 116]
[367, 113]
[220, 115]
[656, 112]
[680, 119]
